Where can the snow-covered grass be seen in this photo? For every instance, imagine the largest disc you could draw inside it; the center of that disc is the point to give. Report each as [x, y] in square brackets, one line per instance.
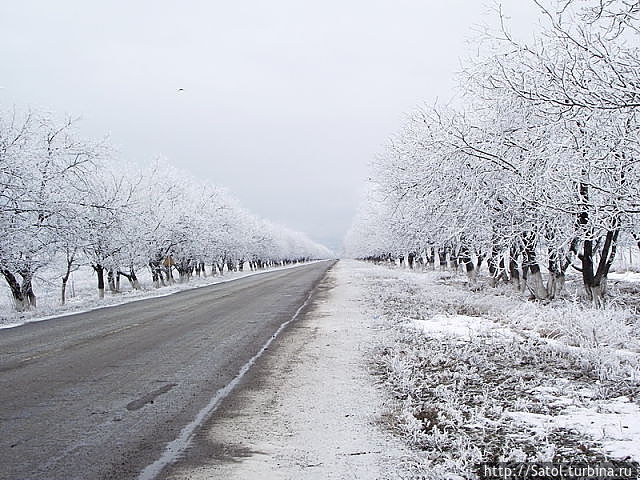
[488, 376]
[614, 423]
[82, 294]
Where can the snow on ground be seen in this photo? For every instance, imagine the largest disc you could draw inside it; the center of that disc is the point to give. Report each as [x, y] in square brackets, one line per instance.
[488, 376]
[83, 296]
[463, 326]
[615, 424]
[625, 276]
[309, 408]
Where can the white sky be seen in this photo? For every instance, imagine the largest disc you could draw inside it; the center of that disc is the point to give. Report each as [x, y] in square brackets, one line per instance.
[285, 102]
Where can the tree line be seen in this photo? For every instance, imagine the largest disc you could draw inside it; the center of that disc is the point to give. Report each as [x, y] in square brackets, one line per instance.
[66, 202]
[534, 164]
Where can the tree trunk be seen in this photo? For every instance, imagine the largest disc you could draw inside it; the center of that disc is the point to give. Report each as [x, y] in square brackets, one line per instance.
[111, 281]
[536, 283]
[595, 283]
[555, 284]
[133, 279]
[530, 266]
[559, 261]
[28, 297]
[231, 266]
[168, 271]
[597, 293]
[442, 259]
[155, 277]
[453, 260]
[16, 292]
[99, 269]
[156, 272]
[493, 264]
[63, 291]
[481, 257]
[465, 258]
[431, 259]
[514, 272]
[70, 258]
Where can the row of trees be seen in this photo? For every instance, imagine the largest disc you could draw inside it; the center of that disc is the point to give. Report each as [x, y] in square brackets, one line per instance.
[537, 160]
[65, 202]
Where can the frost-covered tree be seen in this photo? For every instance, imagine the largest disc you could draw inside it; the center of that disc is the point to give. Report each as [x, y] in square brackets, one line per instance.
[42, 164]
[534, 163]
[66, 202]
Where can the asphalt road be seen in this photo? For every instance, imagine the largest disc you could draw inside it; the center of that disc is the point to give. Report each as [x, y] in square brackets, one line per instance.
[99, 395]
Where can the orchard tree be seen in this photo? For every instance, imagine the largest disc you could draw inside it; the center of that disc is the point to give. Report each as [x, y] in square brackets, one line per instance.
[43, 164]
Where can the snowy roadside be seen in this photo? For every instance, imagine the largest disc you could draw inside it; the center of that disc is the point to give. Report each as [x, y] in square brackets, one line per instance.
[86, 298]
[309, 409]
[486, 376]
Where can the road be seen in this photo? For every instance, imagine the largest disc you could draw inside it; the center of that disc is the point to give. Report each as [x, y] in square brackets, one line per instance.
[100, 394]
[310, 408]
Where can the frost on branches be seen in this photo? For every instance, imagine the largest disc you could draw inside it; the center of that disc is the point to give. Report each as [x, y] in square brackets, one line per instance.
[535, 165]
[66, 203]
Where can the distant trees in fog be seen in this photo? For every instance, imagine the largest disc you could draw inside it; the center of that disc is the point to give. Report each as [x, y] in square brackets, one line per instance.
[538, 161]
[65, 203]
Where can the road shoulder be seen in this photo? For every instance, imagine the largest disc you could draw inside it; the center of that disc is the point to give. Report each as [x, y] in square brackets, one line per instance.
[308, 408]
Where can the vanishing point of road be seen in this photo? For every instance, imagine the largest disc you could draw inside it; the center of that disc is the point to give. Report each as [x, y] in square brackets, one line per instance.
[102, 394]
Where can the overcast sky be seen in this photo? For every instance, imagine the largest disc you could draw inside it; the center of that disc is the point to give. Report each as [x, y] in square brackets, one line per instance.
[285, 102]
